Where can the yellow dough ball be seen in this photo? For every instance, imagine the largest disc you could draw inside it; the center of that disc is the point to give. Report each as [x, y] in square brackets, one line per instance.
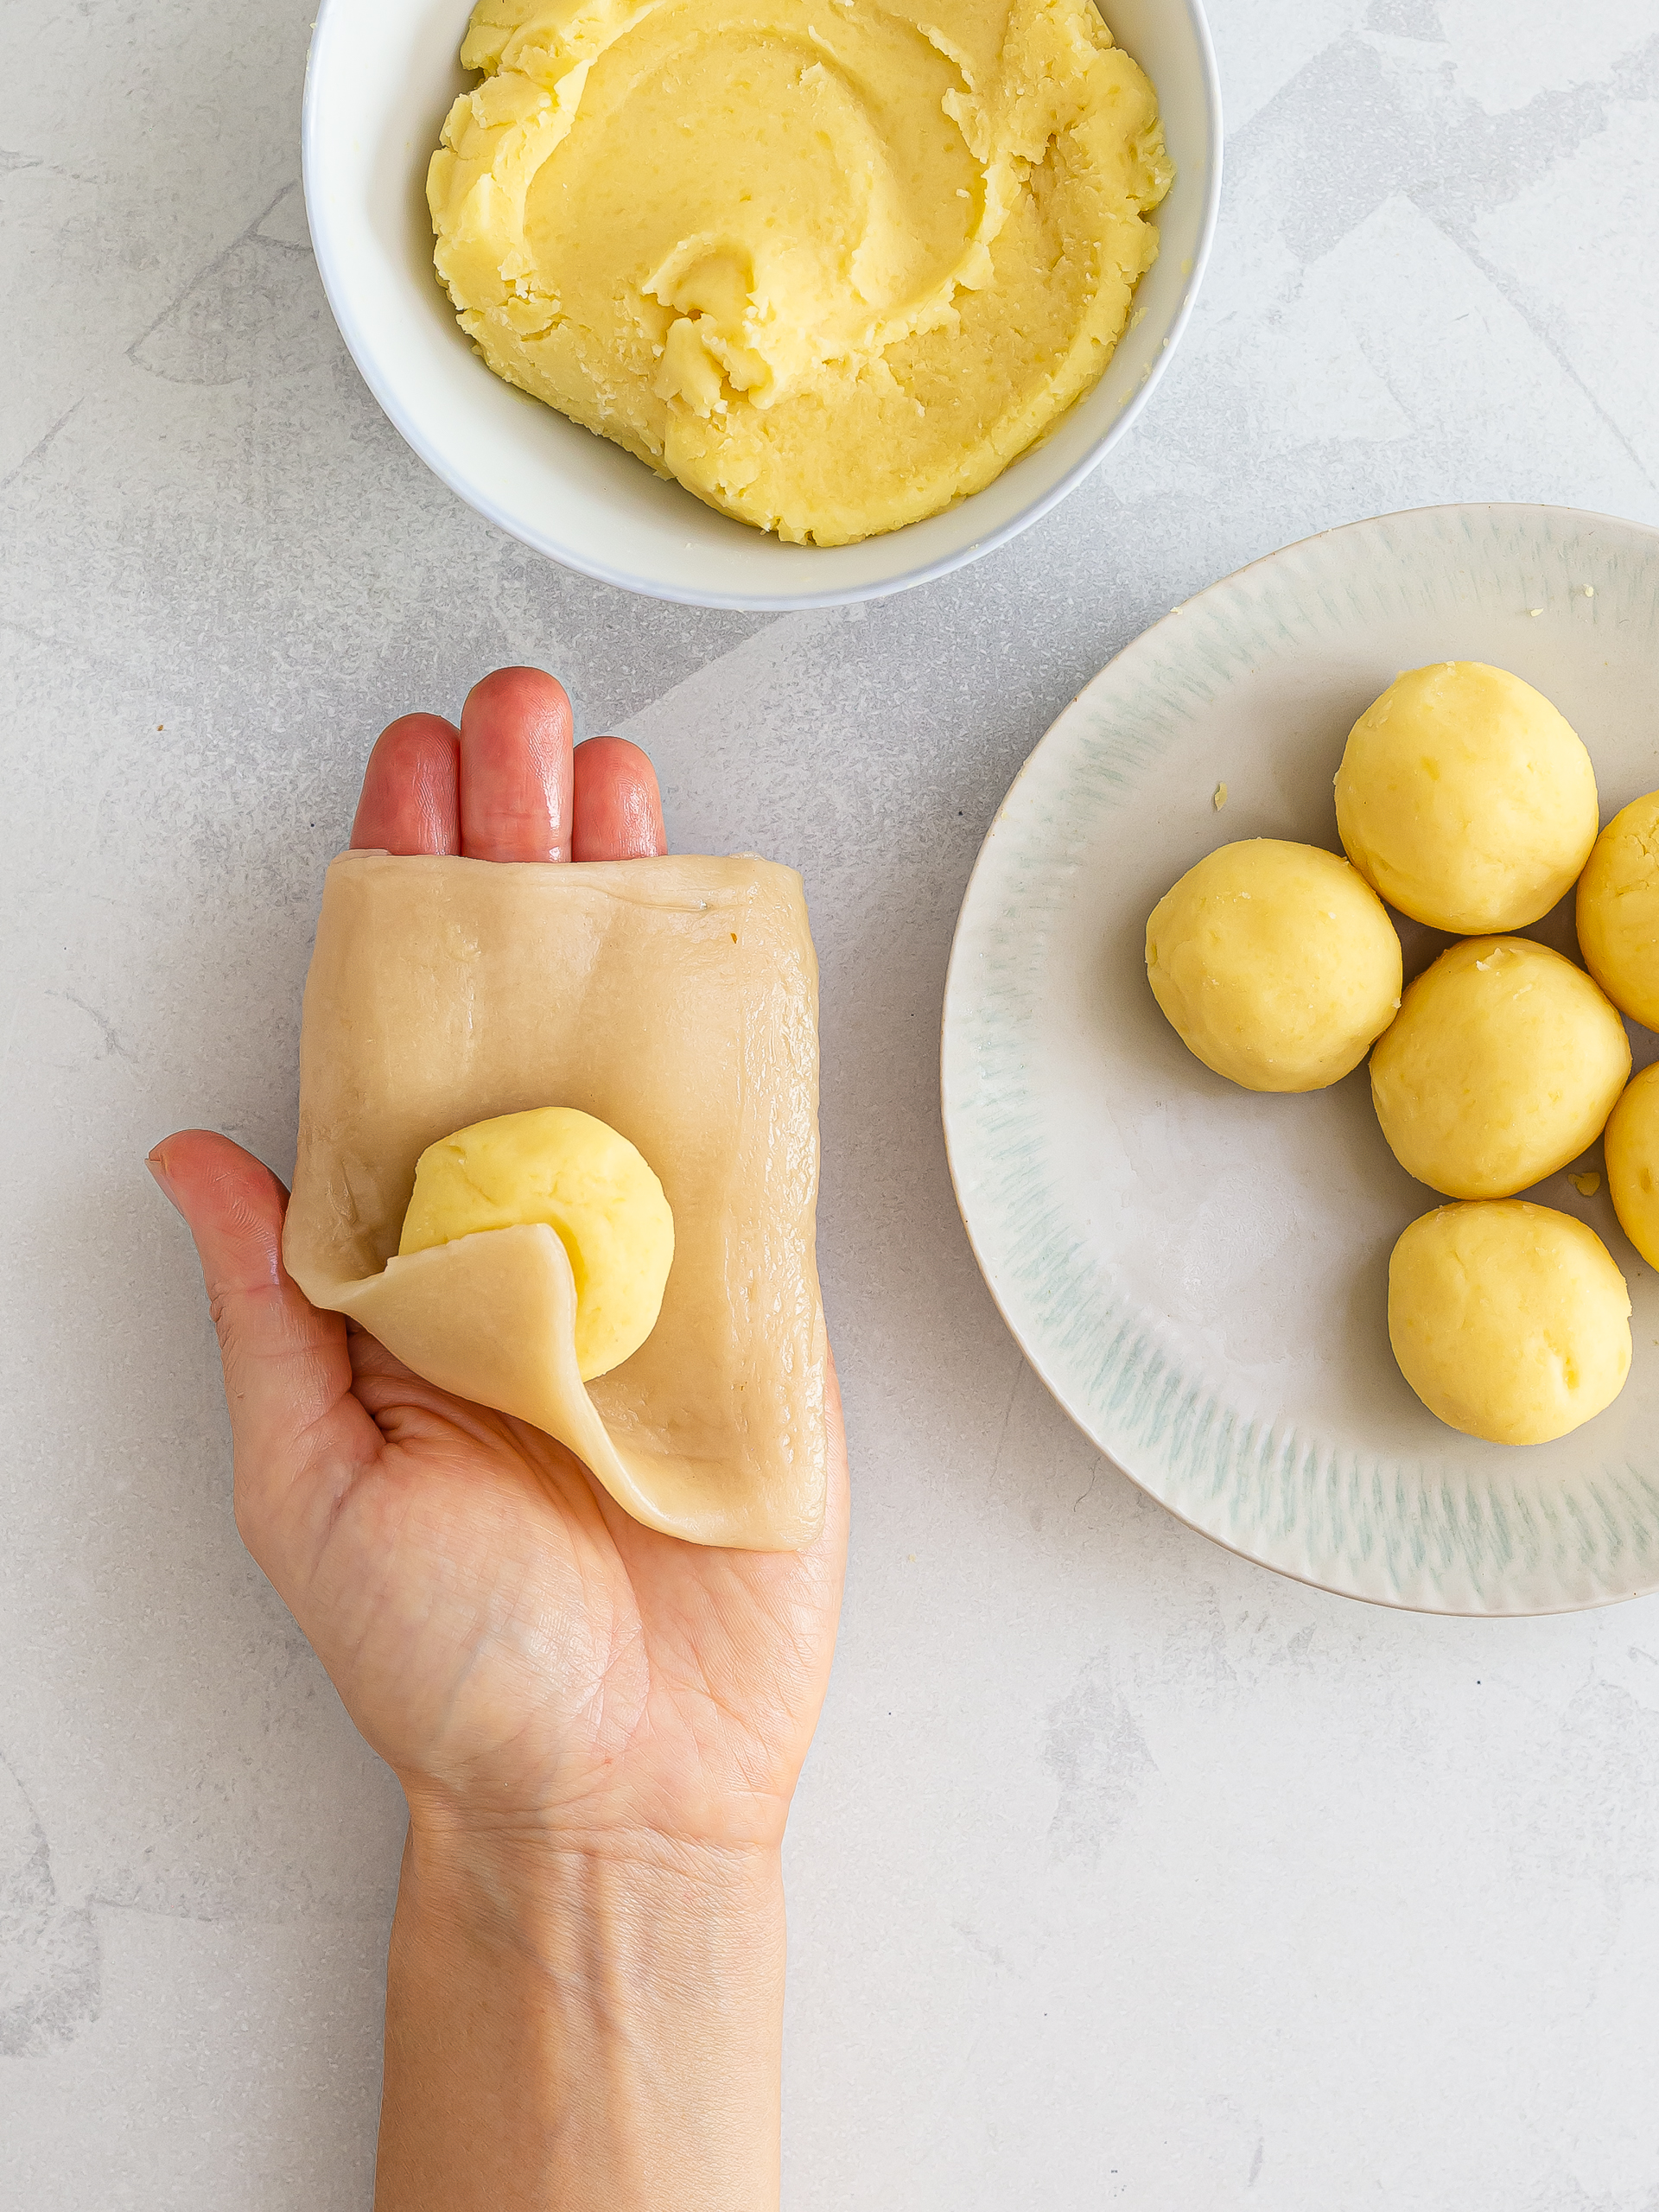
[588, 1184]
[1503, 1066]
[1618, 910]
[1631, 1147]
[1465, 798]
[1509, 1320]
[1275, 963]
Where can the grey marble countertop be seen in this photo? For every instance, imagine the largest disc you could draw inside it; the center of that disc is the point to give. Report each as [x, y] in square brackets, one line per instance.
[1122, 1871]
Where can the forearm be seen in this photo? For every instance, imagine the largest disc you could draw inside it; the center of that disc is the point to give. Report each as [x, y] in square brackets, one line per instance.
[569, 2032]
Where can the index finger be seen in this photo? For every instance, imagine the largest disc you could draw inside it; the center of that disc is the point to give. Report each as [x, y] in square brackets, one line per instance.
[411, 801]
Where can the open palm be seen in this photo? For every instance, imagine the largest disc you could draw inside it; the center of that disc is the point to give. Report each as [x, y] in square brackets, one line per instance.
[521, 1651]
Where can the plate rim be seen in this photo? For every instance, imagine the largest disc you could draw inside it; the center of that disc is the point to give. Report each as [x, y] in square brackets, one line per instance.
[955, 990]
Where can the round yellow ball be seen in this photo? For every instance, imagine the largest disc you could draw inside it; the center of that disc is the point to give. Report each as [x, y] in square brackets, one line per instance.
[1618, 910]
[1465, 798]
[1275, 963]
[1631, 1147]
[588, 1184]
[1511, 1321]
[1503, 1063]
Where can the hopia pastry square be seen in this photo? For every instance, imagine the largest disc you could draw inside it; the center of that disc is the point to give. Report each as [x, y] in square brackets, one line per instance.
[676, 999]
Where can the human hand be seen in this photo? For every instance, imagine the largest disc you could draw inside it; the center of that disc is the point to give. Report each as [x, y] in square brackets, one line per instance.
[556, 1687]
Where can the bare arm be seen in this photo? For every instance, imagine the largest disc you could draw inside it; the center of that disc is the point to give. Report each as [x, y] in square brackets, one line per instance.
[586, 2033]
[597, 1728]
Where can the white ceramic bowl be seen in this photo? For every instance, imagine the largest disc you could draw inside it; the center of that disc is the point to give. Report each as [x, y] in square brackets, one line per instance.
[378, 83]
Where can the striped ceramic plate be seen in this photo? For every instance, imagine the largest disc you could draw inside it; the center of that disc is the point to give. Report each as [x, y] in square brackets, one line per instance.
[1198, 1273]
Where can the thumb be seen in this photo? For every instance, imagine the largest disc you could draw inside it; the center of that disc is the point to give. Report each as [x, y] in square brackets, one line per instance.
[298, 1432]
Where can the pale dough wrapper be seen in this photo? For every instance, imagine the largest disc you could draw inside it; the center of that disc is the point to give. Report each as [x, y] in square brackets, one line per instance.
[674, 998]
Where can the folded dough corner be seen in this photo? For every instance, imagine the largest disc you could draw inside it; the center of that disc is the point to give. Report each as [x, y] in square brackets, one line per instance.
[674, 998]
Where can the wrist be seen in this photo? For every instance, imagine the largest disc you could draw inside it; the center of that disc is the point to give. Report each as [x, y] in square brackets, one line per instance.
[615, 2004]
[635, 1920]
[531, 1860]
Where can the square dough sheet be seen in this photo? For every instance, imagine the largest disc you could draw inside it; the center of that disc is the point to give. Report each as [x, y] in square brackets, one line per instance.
[676, 999]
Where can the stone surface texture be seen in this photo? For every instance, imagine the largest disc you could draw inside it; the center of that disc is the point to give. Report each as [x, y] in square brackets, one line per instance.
[1123, 1873]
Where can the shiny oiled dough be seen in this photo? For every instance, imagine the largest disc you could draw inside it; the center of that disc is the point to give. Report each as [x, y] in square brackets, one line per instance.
[676, 1000]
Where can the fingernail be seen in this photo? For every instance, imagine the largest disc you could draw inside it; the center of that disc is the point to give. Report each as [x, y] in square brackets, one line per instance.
[157, 1167]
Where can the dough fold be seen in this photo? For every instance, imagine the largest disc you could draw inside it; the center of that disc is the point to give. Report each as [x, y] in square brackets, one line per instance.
[676, 1000]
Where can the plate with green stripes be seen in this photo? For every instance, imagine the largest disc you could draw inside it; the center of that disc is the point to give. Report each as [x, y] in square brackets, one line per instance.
[1196, 1272]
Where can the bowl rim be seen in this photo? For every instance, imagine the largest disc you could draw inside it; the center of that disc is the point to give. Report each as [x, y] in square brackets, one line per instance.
[447, 465]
